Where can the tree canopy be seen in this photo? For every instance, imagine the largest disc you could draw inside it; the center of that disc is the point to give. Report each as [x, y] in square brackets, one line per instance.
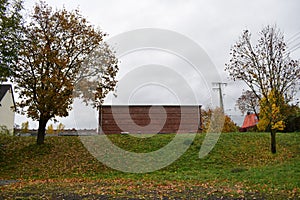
[94, 82]
[266, 66]
[10, 35]
[56, 45]
[271, 113]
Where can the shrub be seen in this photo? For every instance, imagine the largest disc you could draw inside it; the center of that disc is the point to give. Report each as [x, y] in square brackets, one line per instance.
[293, 118]
[50, 129]
[229, 125]
[60, 128]
[4, 130]
[220, 119]
[25, 127]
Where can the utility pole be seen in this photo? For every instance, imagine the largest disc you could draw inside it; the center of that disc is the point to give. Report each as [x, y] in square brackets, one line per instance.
[219, 88]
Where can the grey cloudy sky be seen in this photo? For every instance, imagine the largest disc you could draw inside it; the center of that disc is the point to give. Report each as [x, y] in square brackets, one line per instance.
[213, 24]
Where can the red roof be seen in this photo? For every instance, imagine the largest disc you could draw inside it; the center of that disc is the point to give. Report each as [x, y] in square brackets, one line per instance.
[250, 121]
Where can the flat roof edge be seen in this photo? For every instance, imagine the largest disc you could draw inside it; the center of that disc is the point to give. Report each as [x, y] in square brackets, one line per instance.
[186, 105]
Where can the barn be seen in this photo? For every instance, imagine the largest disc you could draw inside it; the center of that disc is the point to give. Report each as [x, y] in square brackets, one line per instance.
[116, 119]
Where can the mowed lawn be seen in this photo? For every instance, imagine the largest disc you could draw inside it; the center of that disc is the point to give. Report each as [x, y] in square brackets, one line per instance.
[239, 167]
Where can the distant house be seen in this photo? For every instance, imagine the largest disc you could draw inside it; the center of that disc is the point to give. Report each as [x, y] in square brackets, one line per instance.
[250, 121]
[7, 105]
[116, 119]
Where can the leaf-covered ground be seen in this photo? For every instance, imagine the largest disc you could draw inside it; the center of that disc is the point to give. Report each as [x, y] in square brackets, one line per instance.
[239, 167]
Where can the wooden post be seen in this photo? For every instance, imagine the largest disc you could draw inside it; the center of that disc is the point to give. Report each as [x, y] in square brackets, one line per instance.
[100, 120]
[200, 120]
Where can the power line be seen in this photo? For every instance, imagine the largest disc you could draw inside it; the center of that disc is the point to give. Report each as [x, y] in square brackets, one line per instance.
[294, 48]
[291, 39]
[294, 42]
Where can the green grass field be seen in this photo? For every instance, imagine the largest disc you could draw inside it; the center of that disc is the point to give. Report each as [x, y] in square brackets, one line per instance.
[239, 167]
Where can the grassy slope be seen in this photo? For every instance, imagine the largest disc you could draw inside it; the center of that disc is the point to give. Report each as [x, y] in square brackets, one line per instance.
[240, 165]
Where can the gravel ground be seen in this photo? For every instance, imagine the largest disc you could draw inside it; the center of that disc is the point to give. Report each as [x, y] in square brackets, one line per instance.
[7, 182]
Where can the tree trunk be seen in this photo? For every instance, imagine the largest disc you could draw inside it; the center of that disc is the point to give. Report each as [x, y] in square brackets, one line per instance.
[257, 115]
[273, 141]
[41, 131]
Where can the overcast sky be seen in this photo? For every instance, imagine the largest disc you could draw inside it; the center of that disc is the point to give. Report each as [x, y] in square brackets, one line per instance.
[213, 24]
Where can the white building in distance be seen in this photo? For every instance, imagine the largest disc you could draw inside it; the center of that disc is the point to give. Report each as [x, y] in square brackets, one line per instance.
[7, 109]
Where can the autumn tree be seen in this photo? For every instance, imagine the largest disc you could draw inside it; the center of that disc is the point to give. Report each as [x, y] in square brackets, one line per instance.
[214, 120]
[104, 76]
[266, 68]
[271, 115]
[50, 129]
[56, 44]
[248, 102]
[60, 128]
[10, 35]
[25, 127]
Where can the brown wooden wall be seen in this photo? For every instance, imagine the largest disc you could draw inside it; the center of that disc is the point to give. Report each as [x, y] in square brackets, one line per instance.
[149, 119]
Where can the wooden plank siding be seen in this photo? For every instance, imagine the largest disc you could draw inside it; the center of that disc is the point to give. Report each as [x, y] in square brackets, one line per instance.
[149, 119]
